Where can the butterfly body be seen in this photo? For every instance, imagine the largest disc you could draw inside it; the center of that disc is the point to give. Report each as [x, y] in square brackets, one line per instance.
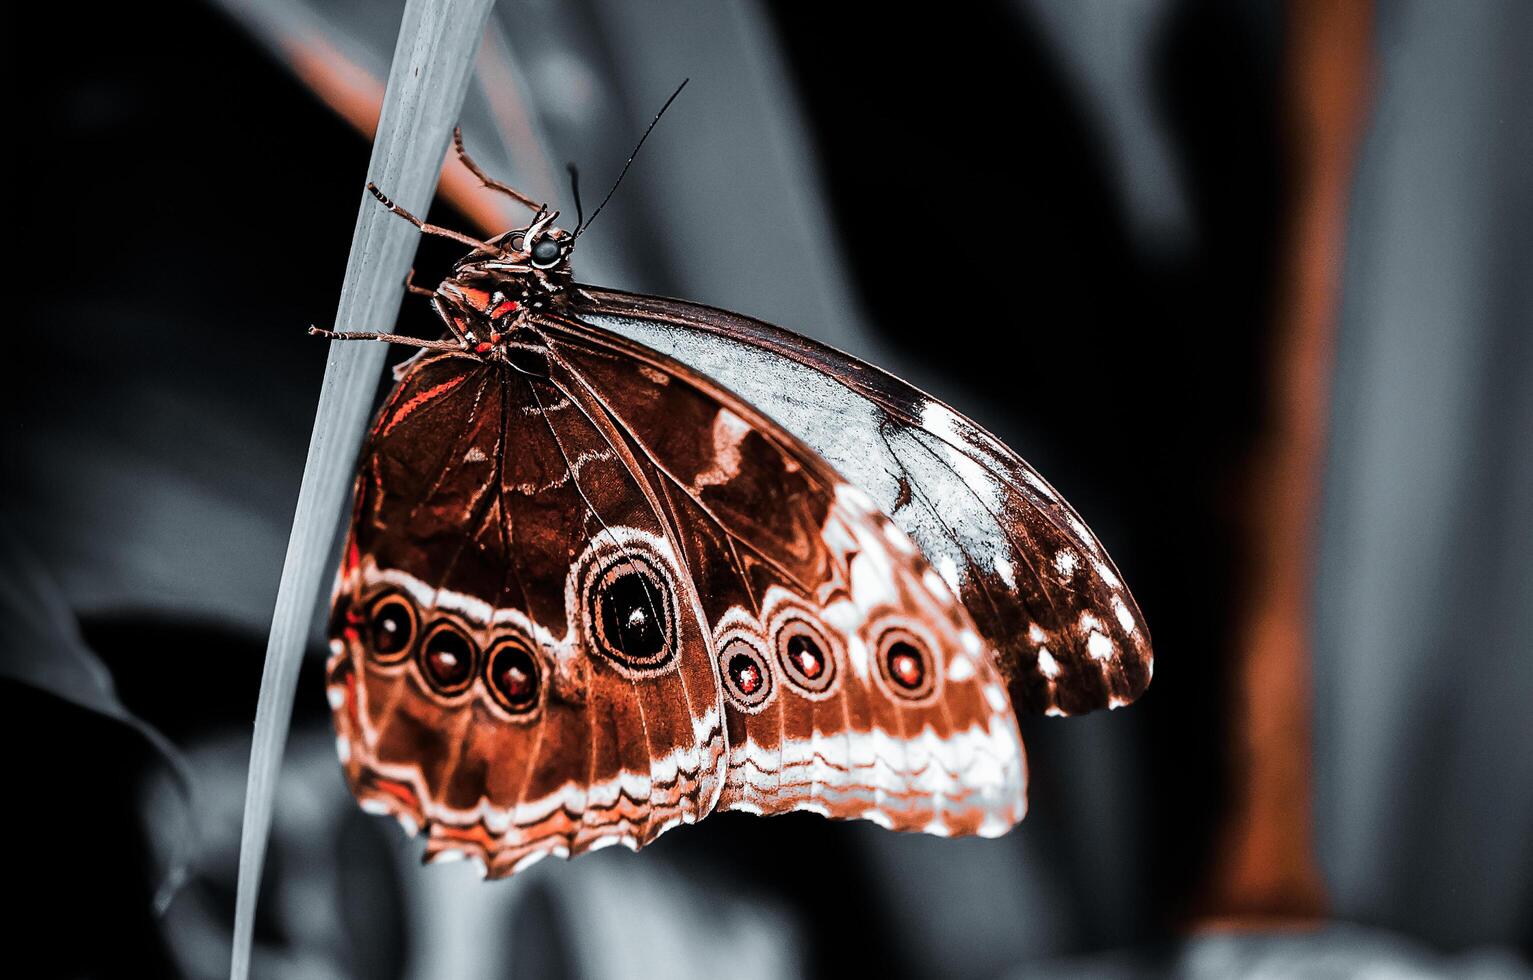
[590, 592]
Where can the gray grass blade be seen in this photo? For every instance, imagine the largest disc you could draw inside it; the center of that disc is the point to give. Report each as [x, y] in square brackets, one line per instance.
[432, 63]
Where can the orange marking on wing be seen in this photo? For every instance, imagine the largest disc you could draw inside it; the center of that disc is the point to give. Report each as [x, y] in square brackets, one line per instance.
[419, 400]
[476, 834]
[398, 790]
[353, 557]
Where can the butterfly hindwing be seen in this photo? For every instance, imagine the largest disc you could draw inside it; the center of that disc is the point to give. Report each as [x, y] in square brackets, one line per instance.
[855, 684]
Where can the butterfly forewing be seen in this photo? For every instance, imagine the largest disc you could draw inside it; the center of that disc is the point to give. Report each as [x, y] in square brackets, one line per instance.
[1037, 583]
[497, 540]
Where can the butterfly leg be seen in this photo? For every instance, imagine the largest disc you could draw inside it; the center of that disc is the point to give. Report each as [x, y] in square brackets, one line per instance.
[388, 338]
[429, 229]
[414, 290]
[486, 179]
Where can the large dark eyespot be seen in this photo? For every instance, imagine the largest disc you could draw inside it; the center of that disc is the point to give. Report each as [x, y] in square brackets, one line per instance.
[391, 627]
[804, 652]
[632, 619]
[447, 659]
[546, 252]
[906, 664]
[514, 675]
[633, 613]
[747, 676]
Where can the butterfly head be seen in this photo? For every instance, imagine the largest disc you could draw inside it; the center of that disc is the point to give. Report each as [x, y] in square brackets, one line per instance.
[542, 246]
[490, 293]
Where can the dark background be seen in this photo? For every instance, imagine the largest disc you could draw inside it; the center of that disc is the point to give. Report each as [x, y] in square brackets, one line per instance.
[1065, 220]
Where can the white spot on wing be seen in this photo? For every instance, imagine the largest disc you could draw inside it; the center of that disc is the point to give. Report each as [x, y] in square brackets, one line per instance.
[1066, 561]
[1099, 646]
[934, 584]
[879, 817]
[528, 861]
[1125, 618]
[1083, 532]
[1105, 571]
[996, 697]
[729, 430]
[993, 826]
[1004, 569]
[1047, 664]
[948, 568]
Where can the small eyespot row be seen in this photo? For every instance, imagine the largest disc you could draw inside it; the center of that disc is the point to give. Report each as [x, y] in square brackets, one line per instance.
[794, 652]
[448, 659]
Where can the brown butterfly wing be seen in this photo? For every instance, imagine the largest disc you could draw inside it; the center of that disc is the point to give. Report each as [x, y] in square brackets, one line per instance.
[855, 684]
[484, 686]
[467, 695]
[1036, 581]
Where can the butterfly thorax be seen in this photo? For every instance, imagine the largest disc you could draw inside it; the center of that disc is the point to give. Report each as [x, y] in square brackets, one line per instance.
[492, 297]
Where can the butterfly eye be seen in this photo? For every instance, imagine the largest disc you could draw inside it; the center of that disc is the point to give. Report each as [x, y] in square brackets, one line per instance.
[447, 659]
[546, 252]
[633, 614]
[391, 627]
[906, 665]
[747, 676]
[513, 675]
[804, 652]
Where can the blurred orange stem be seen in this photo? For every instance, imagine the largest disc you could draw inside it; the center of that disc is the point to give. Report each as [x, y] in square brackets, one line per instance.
[357, 96]
[1266, 873]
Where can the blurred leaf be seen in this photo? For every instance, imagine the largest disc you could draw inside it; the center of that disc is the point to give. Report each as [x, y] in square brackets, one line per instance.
[42, 648]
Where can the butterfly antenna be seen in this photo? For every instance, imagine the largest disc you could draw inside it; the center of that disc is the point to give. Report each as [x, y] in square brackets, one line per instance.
[637, 147]
[580, 214]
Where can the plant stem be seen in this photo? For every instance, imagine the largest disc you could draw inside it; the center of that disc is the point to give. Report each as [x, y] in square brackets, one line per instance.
[433, 60]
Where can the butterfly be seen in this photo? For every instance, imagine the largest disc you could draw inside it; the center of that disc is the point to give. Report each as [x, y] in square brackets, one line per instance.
[618, 562]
